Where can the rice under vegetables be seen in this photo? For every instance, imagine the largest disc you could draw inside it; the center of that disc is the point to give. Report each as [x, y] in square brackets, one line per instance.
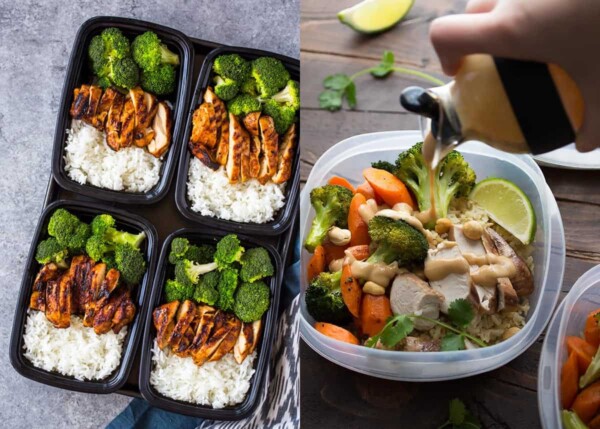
[217, 384]
[75, 351]
[88, 159]
[211, 194]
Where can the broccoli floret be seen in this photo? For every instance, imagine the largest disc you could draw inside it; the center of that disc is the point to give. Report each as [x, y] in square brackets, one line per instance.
[116, 45]
[109, 261]
[160, 81]
[283, 116]
[125, 73]
[289, 96]
[175, 291]
[251, 301]
[104, 234]
[324, 300]
[270, 74]
[384, 165]
[179, 247]
[232, 66]
[68, 230]
[396, 241]
[226, 88]
[453, 178]
[229, 250]
[97, 247]
[149, 52]
[130, 262]
[206, 289]
[202, 254]
[101, 223]
[243, 104]
[331, 204]
[249, 87]
[188, 272]
[227, 286]
[103, 82]
[97, 55]
[256, 264]
[50, 250]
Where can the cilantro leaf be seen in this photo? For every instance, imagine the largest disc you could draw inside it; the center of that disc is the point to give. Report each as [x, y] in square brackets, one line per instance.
[395, 331]
[351, 95]
[452, 342]
[337, 81]
[385, 67]
[461, 313]
[458, 411]
[330, 100]
[471, 422]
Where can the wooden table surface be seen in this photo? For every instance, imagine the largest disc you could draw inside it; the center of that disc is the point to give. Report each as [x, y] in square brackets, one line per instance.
[333, 396]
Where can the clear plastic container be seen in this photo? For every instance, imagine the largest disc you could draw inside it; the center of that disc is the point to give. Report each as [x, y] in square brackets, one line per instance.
[347, 159]
[569, 319]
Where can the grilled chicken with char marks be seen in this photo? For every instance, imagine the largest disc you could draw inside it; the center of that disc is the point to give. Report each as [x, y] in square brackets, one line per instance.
[220, 330]
[59, 300]
[185, 316]
[81, 99]
[251, 124]
[163, 318]
[103, 320]
[81, 267]
[106, 103]
[256, 328]
[286, 156]
[125, 313]
[206, 318]
[270, 142]
[230, 338]
[162, 131]
[113, 122]
[109, 284]
[204, 127]
[51, 302]
[93, 104]
[97, 274]
[218, 105]
[244, 343]
[238, 139]
[48, 272]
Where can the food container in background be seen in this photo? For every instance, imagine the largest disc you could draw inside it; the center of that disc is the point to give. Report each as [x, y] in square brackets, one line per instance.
[140, 296]
[583, 298]
[348, 159]
[79, 72]
[284, 216]
[164, 270]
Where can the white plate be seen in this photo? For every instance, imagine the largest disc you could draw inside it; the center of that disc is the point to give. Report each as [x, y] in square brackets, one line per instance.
[569, 157]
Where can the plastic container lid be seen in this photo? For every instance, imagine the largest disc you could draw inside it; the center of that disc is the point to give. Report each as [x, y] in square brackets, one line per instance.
[569, 319]
[347, 159]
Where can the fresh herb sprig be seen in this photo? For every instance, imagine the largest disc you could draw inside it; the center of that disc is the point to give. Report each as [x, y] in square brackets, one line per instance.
[460, 418]
[460, 314]
[340, 85]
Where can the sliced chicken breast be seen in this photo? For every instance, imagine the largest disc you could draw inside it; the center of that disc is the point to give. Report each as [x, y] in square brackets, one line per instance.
[230, 339]
[113, 122]
[204, 126]
[162, 131]
[51, 302]
[125, 313]
[270, 143]
[164, 323]
[48, 272]
[256, 331]
[103, 319]
[220, 330]
[106, 102]
[245, 158]
[185, 315]
[93, 104]
[222, 151]
[81, 267]
[507, 296]
[97, 274]
[237, 140]
[286, 156]
[109, 284]
[206, 319]
[81, 99]
[242, 347]
[411, 295]
[251, 123]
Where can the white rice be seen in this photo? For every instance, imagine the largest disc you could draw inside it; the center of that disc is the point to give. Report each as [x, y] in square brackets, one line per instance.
[217, 384]
[211, 194]
[88, 159]
[75, 351]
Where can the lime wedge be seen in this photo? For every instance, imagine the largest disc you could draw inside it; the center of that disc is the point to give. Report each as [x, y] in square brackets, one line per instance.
[375, 16]
[508, 206]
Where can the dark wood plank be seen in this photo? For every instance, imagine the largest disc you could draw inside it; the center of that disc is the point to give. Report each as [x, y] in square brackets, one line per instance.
[574, 185]
[580, 220]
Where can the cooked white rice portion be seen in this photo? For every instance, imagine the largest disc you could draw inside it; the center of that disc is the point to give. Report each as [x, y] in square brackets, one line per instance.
[212, 195]
[89, 160]
[75, 351]
[217, 384]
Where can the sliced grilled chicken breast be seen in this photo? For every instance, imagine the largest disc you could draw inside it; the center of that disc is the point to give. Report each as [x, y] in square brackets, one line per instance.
[81, 99]
[81, 266]
[251, 123]
[162, 131]
[106, 102]
[220, 330]
[256, 328]
[286, 156]
[97, 274]
[230, 339]
[237, 138]
[270, 142]
[109, 284]
[125, 313]
[185, 316]
[51, 301]
[411, 295]
[113, 122]
[48, 272]
[163, 318]
[93, 104]
[206, 319]
[242, 347]
[103, 320]
[204, 126]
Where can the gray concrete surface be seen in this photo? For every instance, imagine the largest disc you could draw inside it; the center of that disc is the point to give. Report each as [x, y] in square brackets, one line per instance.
[35, 43]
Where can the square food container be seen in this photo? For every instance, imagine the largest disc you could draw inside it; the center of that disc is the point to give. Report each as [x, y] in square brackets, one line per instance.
[347, 159]
[583, 298]
[164, 269]
[78, 73]
[284, 216]
[86, 212]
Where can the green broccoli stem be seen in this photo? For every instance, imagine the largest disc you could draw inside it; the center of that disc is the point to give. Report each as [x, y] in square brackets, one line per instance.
[402, 70]
[383, 254]
[318, 231]
[476, 340]
[168, 57]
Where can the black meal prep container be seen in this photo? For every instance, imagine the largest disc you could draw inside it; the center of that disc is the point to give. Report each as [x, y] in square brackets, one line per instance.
[140, 295]
[79, 73]
[283, 219]
[163, 271]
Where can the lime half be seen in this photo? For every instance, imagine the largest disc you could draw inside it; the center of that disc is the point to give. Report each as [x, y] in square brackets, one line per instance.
[508, 206]
[375, 16]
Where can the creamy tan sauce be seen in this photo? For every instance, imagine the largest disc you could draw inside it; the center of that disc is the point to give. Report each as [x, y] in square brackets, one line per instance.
[378, 273]
[439, 269]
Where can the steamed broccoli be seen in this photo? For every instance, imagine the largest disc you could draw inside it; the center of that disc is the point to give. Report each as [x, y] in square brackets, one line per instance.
[105, 237]
[149, 52]
[249, 87]
[176, 291]
[179, 247]
[107, 52]
[283, 116]
[243, 104]
[50, 250]
[125, 73]
[202, 254]
[227, 286]
[453, 178]
[188, 272]
[160, 81]
[396, 241]
[256, 264]
[68, 230]
[206, 289]
[130, 262]
[109, 261]
[270, 74]
[290, 95]
[324, 300]
[331, 204]
[116, 45]
[226, 88]
[229, 250]
[251, 301]
[232, 66]
[384, 165]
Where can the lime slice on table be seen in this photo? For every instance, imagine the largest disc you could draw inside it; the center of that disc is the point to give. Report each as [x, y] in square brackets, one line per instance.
[508, 206]
[375, 16]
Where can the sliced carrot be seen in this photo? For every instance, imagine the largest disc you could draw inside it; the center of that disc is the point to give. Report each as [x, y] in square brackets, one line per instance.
[592, 330]
[359, 229]
[374, 312]
[351, 291]
[333, 252]
[594, 423]
[587, 403]
[391, 189]
[340, 181]
[583, 350]
[359, 252]
[569, 377]
[316, 265]
[335, 332]
[369, 193]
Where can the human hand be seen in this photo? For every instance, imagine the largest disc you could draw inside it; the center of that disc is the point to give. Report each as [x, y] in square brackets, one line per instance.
[566, 33]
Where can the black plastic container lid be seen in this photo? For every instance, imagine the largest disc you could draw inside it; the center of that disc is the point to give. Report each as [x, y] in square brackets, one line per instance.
[283, 218]
[243, 409]
[141, 293]
[78, 73]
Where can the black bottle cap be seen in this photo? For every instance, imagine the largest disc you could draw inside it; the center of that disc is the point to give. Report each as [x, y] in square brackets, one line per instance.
[418, 100]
